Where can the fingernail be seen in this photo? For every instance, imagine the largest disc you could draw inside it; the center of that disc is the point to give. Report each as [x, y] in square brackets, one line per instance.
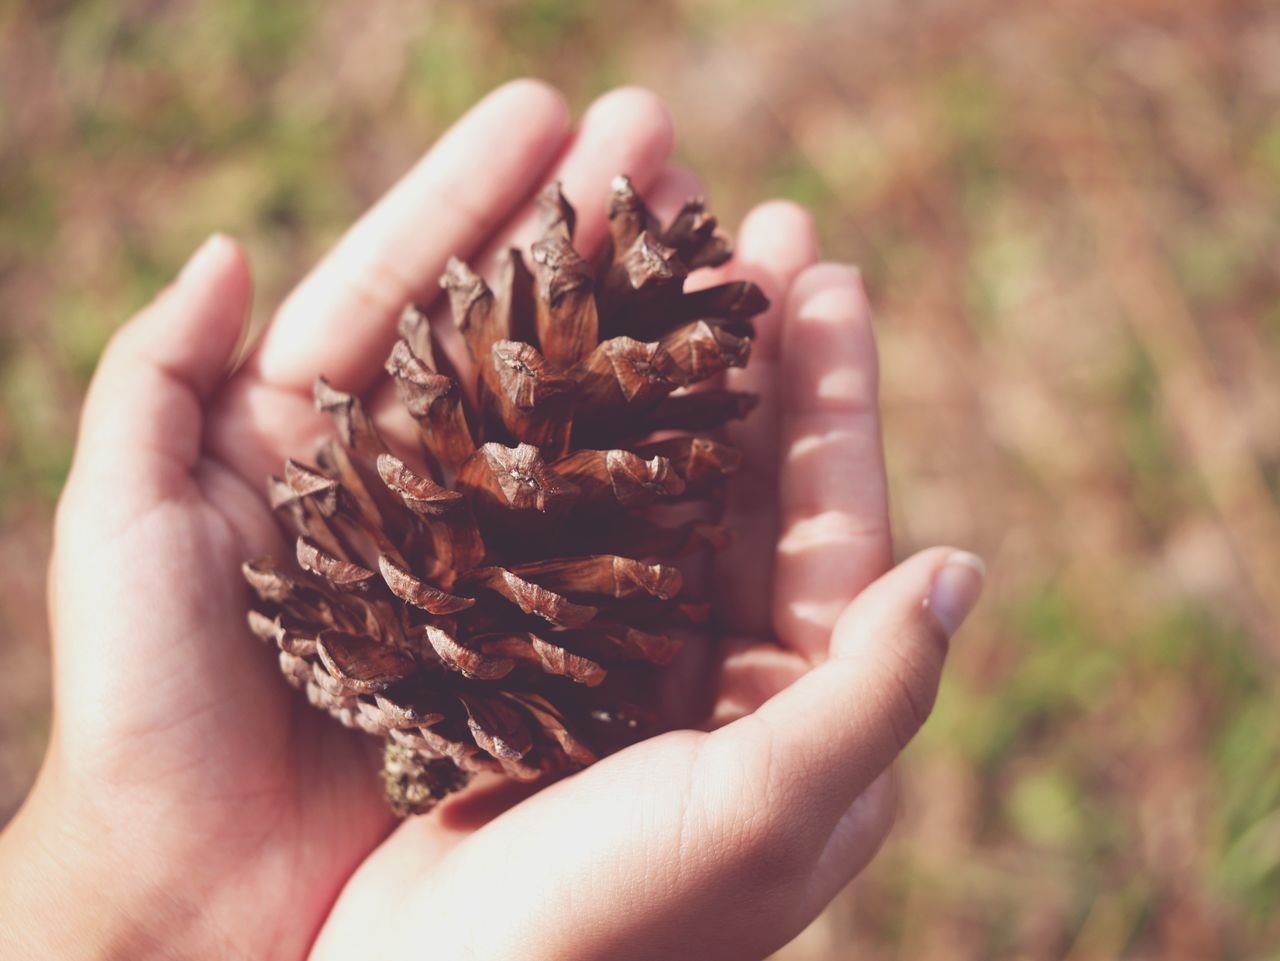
[956, 588]
[206, 255]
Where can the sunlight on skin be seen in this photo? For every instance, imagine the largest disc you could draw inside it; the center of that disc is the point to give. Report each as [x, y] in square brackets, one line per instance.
[728, 841]
[677, 833]
[182, 764]
[776, 242]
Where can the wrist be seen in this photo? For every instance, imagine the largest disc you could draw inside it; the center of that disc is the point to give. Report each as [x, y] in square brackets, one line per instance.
[69, 890]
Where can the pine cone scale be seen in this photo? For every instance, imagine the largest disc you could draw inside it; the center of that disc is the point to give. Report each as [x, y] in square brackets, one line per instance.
[505, 607]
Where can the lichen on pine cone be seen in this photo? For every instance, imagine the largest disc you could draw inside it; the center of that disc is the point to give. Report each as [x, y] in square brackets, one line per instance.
[499, 599]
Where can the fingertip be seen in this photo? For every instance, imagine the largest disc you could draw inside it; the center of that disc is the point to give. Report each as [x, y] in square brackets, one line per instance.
[146, 395]
[787, 219]
[625, 131]
[195, 325]
[220, 262]
[527, 110]
[205, 257]
[778, 237]
[840, 726]
[877, 809]
[826, 276]
[534, 99]
[856, 838]
[901, 594]
[635, 108]
[776, 242]
[955, 590]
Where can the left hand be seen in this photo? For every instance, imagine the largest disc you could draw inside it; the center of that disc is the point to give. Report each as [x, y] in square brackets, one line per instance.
[191, 804]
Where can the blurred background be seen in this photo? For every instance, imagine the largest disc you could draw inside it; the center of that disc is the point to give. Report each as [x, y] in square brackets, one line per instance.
[1066, 213]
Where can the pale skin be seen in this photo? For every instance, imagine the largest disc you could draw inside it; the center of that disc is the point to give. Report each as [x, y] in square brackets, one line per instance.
[192, 805]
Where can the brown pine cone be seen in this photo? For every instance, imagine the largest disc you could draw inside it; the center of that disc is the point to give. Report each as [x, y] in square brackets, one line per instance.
[497, 599]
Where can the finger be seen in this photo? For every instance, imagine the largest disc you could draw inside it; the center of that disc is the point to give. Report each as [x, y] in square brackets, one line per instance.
[857, 837]
[340, 320]
[835, 535]
[135, 473]
[625, 131]
[821, 742]
[143, 417]
[776, 242]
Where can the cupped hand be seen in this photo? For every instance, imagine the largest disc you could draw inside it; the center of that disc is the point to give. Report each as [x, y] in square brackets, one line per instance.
[720, 844]
[190, 800]
[207, 811]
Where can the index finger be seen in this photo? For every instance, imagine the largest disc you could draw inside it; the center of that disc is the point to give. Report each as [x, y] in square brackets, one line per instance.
[340, 321]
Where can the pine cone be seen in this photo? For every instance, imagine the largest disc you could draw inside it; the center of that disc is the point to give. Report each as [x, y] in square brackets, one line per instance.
[500, 602]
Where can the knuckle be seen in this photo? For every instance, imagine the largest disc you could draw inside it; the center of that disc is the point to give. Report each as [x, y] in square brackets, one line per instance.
[762, 836]
[380, 288]
[769, 860]
[911, 691]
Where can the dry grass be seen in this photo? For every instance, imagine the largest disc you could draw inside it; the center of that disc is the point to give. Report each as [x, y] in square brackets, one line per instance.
[1066, 211]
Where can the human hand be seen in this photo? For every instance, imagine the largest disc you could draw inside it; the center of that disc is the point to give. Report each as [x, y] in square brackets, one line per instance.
[191, 804]
[720, 844]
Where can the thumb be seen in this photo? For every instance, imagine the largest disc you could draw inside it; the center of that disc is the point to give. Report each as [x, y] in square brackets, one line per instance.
[143, 416]
[835, 730]
[132, 599]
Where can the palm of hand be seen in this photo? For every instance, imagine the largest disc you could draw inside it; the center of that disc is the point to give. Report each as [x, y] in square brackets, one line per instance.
[170, 719]
[186, 723]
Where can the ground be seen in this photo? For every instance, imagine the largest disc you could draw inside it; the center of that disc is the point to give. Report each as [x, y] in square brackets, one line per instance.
[1066, 215]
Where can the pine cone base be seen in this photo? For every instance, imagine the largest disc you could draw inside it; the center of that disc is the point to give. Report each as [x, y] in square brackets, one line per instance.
[414, 783]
